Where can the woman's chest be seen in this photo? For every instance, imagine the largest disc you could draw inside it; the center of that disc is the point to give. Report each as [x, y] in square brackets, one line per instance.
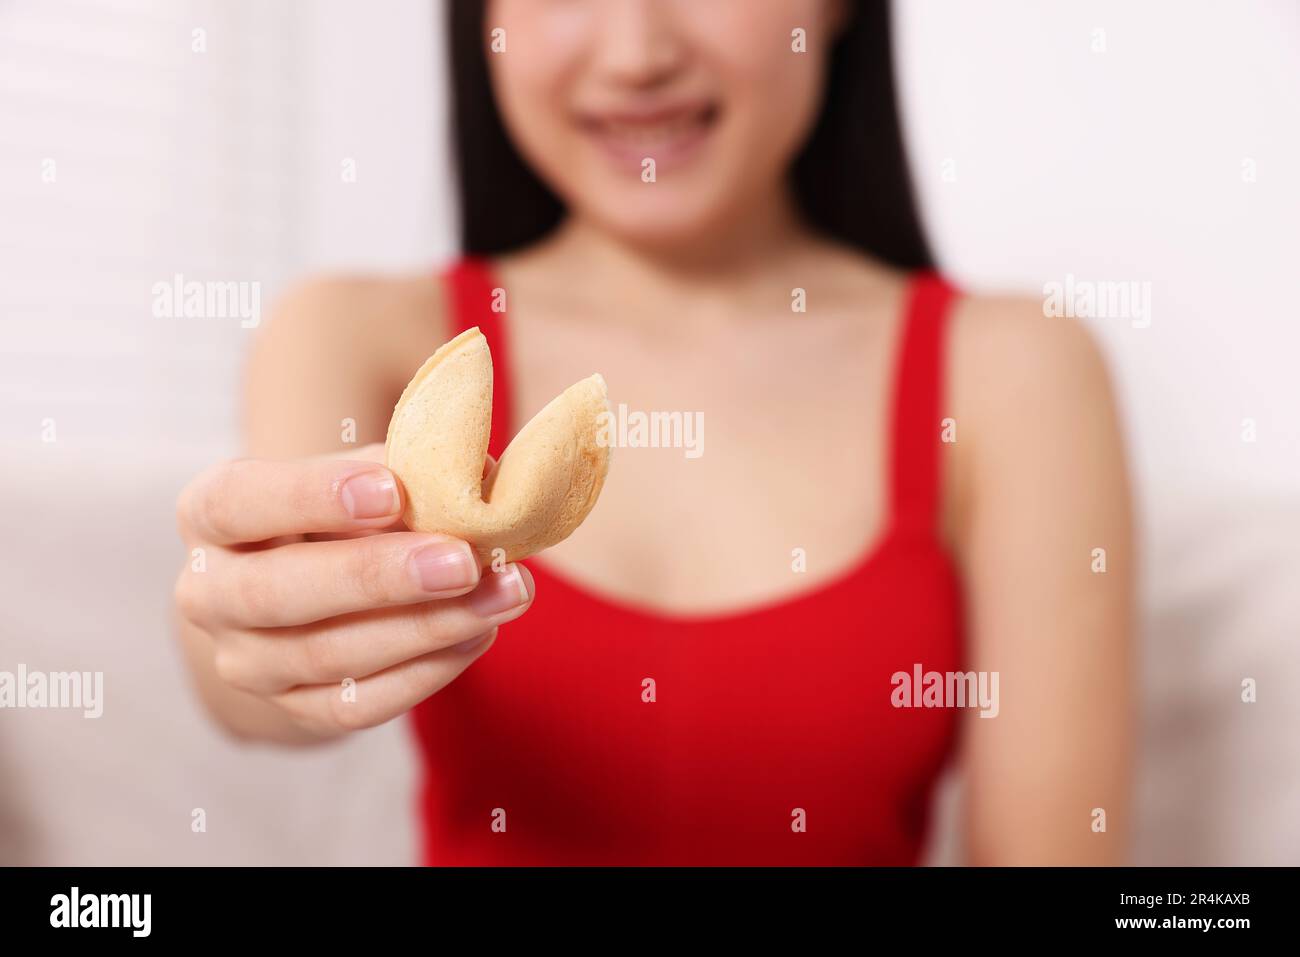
[743, 468]
[709, 730]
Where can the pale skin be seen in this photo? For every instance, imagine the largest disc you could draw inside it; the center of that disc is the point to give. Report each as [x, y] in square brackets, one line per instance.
[683, 303]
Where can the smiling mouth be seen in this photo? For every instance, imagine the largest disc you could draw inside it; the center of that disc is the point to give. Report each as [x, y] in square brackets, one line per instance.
[670, 134]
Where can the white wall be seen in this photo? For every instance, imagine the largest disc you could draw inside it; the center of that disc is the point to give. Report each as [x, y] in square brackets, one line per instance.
[221, 165]
[1127, 164]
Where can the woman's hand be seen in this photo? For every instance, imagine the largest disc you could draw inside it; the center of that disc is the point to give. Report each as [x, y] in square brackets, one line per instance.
[307, 615]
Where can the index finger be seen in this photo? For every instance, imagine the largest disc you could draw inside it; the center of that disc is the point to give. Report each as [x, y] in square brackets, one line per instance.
[253, 500]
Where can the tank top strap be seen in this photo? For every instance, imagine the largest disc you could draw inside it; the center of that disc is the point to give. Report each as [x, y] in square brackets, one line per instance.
[473, 299]
[917, 466]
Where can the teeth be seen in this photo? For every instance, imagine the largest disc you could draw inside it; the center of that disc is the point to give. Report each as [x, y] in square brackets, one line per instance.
[643, 133]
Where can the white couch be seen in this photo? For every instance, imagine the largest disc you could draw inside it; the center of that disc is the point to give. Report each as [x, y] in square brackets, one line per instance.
[85, 582]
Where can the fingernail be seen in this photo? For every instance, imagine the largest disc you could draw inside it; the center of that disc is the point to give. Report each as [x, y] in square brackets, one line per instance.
[371, 495]
[473, 644]
[445, 566]
[500, 592]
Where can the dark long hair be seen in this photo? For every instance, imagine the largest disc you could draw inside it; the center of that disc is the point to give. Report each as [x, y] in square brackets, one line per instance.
[850, 180]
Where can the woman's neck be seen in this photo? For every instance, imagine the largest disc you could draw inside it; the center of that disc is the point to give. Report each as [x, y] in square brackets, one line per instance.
[748, 268]
[730, 256]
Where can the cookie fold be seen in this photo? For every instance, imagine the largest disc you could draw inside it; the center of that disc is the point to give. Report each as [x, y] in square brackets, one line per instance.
[540, 490]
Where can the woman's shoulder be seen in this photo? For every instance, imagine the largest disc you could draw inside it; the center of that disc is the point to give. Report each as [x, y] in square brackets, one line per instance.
[1025, 391]
[1022, 386]
[380, 317]
[1007, 338]
[1006, 349]
[337, 348]
[357, 302]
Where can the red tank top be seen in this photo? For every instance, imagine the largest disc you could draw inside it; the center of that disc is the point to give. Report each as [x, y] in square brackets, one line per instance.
[771, 738]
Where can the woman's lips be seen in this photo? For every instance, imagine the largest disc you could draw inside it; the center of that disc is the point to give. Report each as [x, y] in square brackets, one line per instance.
[670, 135]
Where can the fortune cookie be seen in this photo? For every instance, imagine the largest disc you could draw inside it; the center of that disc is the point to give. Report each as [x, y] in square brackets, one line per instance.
[540, 490]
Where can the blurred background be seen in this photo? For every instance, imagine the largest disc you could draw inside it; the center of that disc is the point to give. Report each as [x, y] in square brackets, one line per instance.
[244, 141]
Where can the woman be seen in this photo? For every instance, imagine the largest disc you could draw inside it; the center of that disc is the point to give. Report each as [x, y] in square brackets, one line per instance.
[730, 661]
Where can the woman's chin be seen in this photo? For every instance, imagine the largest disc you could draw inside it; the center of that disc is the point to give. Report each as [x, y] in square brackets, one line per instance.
[660, 225]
